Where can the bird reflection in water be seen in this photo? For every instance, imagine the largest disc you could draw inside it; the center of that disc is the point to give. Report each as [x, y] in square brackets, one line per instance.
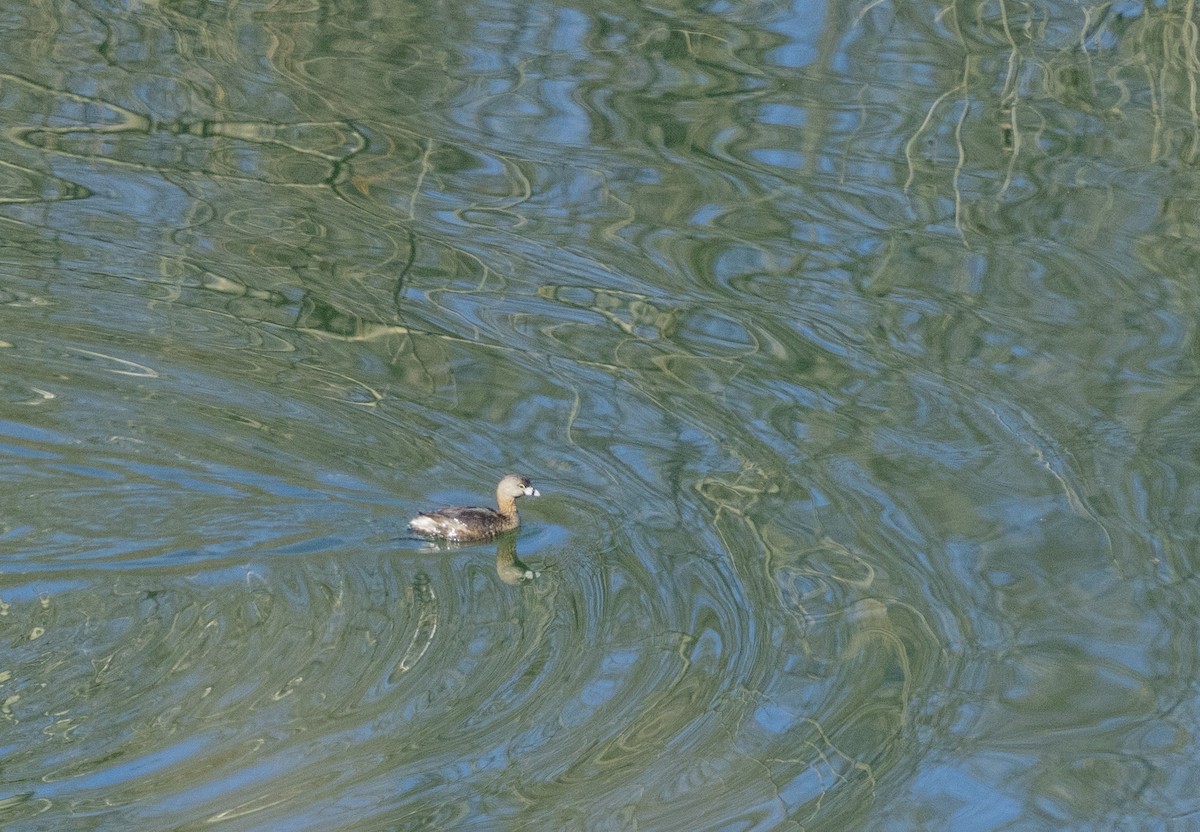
[510, 568]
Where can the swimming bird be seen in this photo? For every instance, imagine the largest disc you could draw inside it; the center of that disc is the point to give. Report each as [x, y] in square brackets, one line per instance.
[466, 523]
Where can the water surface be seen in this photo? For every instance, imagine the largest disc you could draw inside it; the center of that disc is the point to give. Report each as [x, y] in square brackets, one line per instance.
[852, 349]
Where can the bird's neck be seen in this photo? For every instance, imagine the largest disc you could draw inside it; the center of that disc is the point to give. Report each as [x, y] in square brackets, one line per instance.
[506, 505]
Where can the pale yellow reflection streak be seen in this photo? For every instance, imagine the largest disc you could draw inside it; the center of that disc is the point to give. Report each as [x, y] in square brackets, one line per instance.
[134, 369]
[425, 598]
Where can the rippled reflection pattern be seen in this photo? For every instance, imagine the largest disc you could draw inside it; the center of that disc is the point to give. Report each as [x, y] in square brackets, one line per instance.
[851, 348]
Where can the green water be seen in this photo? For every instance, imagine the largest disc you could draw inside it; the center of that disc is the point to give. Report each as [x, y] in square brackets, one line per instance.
[852, 349]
